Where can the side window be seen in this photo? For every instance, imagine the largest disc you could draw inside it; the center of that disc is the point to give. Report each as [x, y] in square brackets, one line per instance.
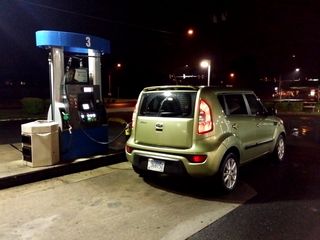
[255, 105]
[221, 101]
[235, 104]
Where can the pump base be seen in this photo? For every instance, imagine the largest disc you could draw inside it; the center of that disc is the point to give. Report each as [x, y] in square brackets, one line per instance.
[83, 143]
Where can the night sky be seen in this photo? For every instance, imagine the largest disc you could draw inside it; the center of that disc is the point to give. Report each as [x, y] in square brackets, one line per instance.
[254, 39]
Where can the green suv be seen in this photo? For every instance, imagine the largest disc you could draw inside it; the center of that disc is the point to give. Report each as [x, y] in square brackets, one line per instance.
[201, 131]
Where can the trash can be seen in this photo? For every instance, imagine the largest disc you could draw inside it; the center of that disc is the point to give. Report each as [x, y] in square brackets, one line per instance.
[40, 143]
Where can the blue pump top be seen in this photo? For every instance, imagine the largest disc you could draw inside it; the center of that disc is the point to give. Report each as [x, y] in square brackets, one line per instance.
[72, 42]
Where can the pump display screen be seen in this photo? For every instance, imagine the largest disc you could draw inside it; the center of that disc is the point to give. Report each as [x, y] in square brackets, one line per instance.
[87, 89]
[85, 106]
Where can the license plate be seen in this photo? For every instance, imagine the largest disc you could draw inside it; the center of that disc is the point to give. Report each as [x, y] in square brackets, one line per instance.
[155, 165]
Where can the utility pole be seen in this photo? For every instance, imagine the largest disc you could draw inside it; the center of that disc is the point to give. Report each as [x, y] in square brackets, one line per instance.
[279, 87]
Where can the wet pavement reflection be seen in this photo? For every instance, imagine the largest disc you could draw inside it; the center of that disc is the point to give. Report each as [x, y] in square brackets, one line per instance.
[306, 128]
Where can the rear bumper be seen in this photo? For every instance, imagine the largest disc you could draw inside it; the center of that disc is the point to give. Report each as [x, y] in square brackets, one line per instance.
[174, 164]
[171, 167]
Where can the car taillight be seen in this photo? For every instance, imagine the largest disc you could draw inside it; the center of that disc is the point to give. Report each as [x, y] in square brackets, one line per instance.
[134, 116]
[129, 149]
[205, 120]
[198, 158]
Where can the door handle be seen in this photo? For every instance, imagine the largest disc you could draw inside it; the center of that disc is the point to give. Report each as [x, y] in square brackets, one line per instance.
[159, 127]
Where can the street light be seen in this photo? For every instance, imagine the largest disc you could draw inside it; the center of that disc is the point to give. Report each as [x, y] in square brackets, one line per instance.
[117, 66]
[206, 64]
[190, 32]
[297, 73]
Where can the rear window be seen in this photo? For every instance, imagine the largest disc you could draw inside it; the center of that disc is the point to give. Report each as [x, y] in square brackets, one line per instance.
[168, 104]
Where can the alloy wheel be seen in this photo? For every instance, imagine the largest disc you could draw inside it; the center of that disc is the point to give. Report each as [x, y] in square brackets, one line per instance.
[230, 173]
[280, 148]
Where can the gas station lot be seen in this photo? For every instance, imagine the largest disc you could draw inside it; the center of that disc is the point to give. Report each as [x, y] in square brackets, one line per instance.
[112, 202]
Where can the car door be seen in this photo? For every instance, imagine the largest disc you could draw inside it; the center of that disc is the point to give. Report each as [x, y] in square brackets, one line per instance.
[265, 124]
[165, 119]
[241, 124]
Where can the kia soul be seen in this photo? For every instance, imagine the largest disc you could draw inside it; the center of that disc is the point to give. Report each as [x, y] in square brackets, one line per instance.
[201, 132]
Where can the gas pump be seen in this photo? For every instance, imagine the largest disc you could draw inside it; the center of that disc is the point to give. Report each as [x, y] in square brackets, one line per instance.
[76, 99]
[82, 98]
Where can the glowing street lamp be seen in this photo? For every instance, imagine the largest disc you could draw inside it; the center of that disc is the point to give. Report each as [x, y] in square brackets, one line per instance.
[117, 66]
[190, 32]
[206, 64]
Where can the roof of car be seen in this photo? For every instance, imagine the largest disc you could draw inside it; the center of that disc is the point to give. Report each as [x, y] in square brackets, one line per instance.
[229, 90]
[170, 87]
[188, 87]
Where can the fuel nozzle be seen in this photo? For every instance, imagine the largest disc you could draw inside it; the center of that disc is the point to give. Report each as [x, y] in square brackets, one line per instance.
[65, 116]
[127, 130]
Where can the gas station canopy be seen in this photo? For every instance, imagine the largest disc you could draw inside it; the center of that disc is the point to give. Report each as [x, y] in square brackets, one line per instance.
[72, 42]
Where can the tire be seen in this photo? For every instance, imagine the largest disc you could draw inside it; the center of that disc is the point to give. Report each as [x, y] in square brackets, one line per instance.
[228, 173]
[279, 149]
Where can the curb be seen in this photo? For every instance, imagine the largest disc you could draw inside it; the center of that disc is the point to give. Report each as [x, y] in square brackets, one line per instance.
[18, 119]
[60, 170]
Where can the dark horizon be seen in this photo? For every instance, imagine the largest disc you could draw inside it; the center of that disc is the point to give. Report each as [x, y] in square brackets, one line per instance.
[254, 40]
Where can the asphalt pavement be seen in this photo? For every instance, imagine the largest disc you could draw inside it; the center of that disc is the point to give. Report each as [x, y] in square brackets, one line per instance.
[112, 202]
[287, 203]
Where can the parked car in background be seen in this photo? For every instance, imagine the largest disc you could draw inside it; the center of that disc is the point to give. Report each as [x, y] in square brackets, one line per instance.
[202, 132]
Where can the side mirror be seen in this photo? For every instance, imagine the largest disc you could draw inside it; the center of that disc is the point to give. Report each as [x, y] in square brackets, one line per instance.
[272, 111]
